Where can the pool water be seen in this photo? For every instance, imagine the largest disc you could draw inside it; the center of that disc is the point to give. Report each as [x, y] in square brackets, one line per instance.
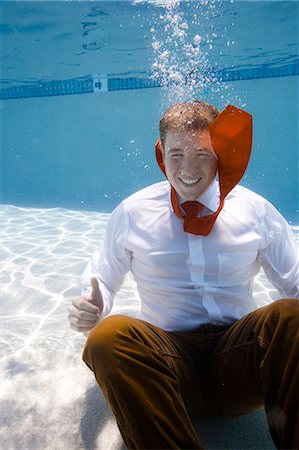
[89, 151]
[69, 156]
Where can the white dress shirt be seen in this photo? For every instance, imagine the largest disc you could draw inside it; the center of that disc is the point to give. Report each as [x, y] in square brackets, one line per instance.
[185, 280]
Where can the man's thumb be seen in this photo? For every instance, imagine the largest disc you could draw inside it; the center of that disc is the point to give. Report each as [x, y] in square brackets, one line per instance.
[96, 293]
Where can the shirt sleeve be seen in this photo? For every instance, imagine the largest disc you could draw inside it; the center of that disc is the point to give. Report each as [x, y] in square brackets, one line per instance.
[110, 263]
[278, 253]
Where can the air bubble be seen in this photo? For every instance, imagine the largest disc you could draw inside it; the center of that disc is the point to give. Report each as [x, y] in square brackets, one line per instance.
[197, 39]
[181, 59]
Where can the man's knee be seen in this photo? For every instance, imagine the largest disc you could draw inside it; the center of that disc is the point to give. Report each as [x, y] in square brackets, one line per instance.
[105, 340]
[286, 310]
[280, 320]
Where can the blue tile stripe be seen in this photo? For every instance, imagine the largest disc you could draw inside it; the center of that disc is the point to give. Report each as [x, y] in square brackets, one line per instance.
[91, 84]
[49, 88]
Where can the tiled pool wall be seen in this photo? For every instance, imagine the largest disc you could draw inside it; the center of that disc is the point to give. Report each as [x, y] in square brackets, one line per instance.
[104, 83]
[89, 151]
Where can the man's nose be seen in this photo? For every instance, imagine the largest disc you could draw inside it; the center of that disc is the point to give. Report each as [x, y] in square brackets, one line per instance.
[189, 165]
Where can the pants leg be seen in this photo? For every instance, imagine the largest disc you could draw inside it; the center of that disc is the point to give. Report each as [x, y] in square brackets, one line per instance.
[143, 374]
[257, 361]
[152, 382]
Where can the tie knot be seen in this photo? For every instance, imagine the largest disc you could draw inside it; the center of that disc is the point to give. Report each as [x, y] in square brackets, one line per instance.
[192, 208]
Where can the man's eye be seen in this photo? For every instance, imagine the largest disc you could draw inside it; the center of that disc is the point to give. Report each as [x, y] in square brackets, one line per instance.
[176, 155]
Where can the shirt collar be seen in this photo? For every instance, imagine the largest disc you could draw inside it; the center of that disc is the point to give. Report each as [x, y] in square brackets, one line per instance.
[210, 198]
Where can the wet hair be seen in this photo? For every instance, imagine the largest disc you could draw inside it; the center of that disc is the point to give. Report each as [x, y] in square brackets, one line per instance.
[193, 115]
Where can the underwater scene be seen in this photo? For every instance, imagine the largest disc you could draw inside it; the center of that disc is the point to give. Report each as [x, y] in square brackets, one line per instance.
[83, 86]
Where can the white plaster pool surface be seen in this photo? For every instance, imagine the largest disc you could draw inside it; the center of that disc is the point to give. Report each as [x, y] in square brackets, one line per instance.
[49, 399]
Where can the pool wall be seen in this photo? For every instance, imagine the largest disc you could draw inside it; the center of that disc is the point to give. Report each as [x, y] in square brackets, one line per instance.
[89, 151]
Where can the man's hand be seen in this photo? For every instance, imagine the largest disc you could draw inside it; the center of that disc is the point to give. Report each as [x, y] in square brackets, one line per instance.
[84, 312]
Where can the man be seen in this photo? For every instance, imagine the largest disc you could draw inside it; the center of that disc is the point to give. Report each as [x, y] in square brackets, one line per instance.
[194, 245]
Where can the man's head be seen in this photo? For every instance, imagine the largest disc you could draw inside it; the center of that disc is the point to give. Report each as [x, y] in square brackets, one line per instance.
[188, 156]
[193, 115]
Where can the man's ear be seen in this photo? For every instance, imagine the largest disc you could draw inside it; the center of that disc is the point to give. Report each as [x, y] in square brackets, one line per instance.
[160, 148]
[160, 155]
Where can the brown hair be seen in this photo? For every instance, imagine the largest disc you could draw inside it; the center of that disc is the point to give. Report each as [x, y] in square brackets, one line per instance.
[193, 115]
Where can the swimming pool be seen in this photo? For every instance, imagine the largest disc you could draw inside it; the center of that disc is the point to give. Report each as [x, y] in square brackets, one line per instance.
[83, 87]
[50, 141]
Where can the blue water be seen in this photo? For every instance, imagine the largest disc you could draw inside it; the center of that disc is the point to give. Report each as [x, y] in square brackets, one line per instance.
[66, 160]
[89, 151]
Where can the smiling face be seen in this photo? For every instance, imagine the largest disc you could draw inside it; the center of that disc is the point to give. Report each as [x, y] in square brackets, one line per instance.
[190, 162]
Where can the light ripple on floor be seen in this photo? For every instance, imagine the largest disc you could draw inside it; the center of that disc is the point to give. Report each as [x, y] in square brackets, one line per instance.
[46, 389]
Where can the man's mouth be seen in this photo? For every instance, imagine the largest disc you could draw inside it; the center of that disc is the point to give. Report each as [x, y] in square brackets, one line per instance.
[190, 182]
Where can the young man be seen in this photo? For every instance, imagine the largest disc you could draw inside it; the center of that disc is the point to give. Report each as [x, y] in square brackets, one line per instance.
[194, 245]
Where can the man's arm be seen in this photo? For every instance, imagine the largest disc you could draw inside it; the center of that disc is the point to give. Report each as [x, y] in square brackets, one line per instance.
[278, 254]
[107, 267]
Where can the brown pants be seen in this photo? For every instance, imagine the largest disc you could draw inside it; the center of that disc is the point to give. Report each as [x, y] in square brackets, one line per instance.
[155, 380]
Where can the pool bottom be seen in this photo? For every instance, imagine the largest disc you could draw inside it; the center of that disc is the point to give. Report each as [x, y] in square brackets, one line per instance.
[44, 253]
[48, 394]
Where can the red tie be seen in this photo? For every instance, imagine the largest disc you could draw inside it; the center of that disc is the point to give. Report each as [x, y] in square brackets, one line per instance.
[192, 208]
[231, 135]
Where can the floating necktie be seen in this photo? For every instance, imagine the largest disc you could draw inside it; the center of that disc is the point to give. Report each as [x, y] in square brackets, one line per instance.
[231, 135]
[192, 209]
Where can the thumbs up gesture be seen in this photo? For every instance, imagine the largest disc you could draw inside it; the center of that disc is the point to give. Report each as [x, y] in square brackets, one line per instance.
[84, 312]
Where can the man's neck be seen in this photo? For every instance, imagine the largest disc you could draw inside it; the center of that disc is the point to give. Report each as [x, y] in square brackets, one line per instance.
[210, 198]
